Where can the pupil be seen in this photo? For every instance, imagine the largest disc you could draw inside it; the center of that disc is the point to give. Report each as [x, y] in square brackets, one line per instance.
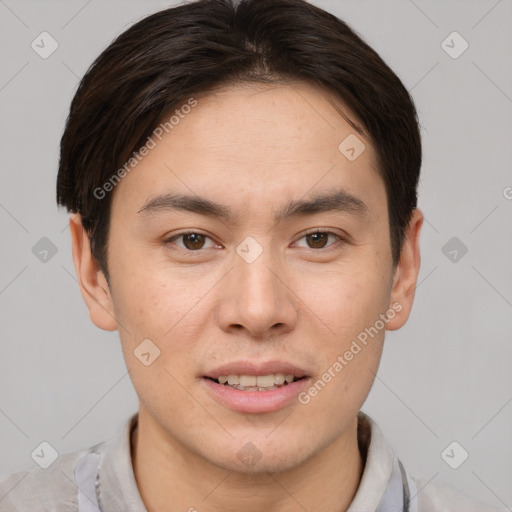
[192, 241]
[318, 238]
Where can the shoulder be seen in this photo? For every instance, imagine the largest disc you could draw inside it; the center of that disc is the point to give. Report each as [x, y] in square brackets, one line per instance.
[440, 497]
[42, 490]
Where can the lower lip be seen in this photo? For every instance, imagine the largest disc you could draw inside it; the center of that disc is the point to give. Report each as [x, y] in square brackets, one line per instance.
[255, 401]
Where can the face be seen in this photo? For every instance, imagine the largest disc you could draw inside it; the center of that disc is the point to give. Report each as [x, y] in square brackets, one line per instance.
[277, 262]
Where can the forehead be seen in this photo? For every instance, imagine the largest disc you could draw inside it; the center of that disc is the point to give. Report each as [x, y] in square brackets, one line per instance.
[255, 143]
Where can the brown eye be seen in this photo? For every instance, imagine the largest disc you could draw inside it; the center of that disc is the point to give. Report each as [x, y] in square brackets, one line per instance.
[190, 241]
[193, 241]
[317, 240]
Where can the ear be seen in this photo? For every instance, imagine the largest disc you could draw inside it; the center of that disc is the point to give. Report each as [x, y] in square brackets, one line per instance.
[93, 285]
[406, 273]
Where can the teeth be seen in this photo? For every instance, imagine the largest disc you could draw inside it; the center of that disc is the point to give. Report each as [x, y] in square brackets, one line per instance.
[255, 383]
[265, 381]
[247, 380]
[233, 379]
[280, 379]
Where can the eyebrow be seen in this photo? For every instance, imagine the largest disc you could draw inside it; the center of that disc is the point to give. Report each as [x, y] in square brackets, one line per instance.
[339, 200]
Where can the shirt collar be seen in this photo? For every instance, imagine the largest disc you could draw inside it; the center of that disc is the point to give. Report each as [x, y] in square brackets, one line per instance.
[378, 466]
[116, 486]
[117, 489]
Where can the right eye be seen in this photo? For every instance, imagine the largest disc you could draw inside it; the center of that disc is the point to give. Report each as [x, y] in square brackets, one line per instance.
[192, 241]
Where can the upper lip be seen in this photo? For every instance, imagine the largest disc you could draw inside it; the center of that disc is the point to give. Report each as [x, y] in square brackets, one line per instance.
[252, 368]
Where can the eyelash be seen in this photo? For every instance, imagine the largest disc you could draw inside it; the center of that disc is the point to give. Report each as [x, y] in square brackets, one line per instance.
[170, 241]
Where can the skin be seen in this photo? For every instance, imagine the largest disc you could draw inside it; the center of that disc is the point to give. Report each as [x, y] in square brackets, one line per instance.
[251, 148]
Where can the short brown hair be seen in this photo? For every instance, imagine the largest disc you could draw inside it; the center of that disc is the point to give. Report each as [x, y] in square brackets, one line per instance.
[173, 54]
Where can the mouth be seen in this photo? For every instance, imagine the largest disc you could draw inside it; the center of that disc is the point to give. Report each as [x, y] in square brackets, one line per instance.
[267, 382]
[248, 386]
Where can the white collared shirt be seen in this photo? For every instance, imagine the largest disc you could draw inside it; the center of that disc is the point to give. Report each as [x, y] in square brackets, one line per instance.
[101, 479]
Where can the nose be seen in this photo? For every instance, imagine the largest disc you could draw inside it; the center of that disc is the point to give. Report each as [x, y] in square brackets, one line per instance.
[257, 298]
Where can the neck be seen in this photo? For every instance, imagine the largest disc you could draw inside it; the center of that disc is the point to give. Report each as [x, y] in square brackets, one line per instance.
[166, 472]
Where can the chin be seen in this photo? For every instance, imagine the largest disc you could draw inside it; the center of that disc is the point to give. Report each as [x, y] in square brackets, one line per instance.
[265, 465]
[259, 456]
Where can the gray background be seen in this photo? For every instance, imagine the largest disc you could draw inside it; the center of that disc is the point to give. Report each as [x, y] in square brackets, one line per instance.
[444, 377]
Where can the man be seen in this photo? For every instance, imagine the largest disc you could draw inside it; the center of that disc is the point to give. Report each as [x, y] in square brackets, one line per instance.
[242, 181]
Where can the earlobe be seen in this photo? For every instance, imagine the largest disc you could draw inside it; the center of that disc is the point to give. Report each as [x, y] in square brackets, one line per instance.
[406, 273]
[93, 285]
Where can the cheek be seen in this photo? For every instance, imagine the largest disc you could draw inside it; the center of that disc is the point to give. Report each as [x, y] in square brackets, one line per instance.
[153, 302]
[347, 299]
[158, 338]
[349, 305]
[349, 352]
[148, 295]
[140, 303]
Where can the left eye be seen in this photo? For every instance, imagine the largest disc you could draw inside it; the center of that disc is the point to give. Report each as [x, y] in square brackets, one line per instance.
[319, 239]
